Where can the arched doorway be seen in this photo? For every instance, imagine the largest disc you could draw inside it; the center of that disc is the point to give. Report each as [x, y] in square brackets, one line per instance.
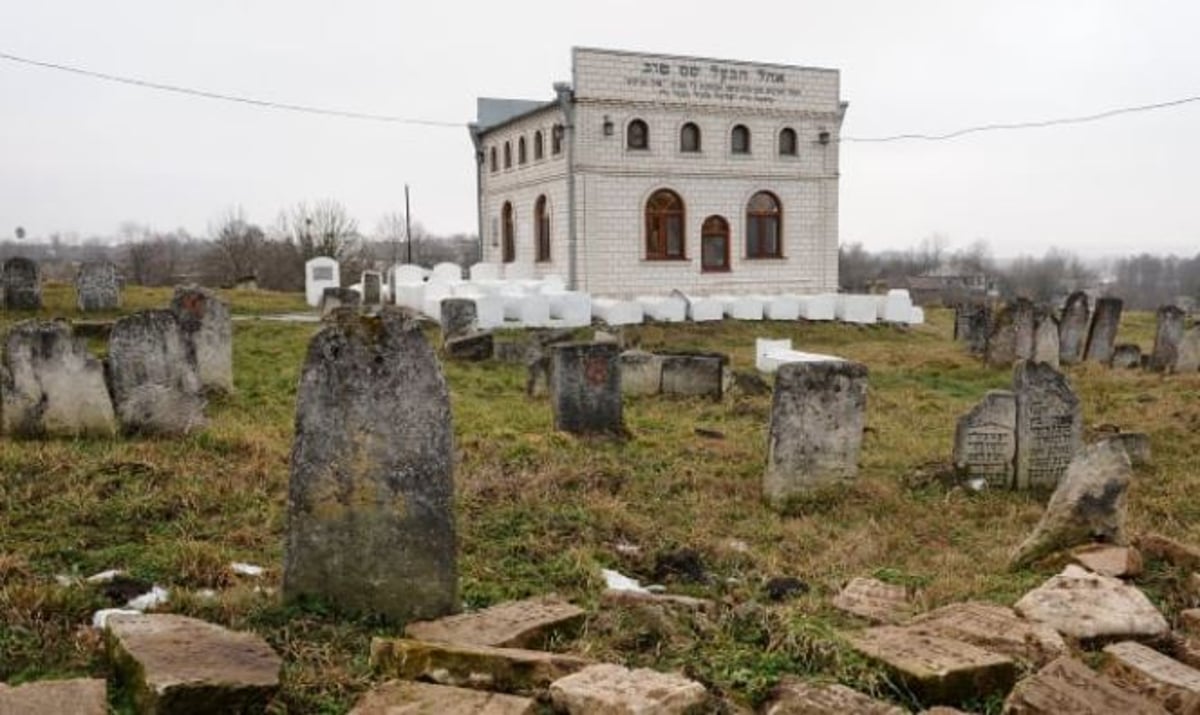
[508, 243]
[714, 244]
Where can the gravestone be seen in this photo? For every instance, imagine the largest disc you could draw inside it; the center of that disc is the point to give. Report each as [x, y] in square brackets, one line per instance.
[1011, 335]
[97, 287]
[370, 526]
[697, 375]
[1049, 425]
[585, 388]
[641, 373]
[818, 411]
[1103, 333]
[985, 440]
[1126, 356]
[21, 280]
[460, 318]
[1188, 359]
[208, 335]
[1073, 328]
[51, 385]
[1167, 336]
[320, 273]
[154, 385]
[1045, 342]
[372, 288]
[334, 298]
[971, 324]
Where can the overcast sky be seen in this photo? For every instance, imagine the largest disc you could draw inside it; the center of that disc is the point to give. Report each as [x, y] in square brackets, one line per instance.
[80, 155]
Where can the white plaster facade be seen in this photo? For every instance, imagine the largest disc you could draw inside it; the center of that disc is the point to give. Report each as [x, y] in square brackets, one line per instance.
[597, 187]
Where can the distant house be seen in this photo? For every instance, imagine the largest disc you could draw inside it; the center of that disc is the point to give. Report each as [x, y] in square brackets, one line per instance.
[942, 287]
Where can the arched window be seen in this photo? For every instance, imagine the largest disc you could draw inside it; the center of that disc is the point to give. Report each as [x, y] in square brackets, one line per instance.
[495, 164]
[637, 135]
[764, 221]
[541, 228]
[521, 150]
[714, 244]
[556, 137]
[507, 229]
[689, 138]
[739, 141]
[537, 145]
[507, 155]
[787, 142]
[664, 226]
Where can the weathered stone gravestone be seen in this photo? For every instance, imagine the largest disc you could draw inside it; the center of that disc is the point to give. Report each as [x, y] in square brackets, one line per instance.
[153, 382]
[460, 318]
[1167, 337]
[1045, 341]
[334, 298]
[698, 375]
[1073, 328]
[971, 324]
[1127, 356]
[1049, 425]
[372, 288]
[208, 336]
[985, 440]
[370, 525]
[97, 287]
[585, 388]
[1188, 359]
[1103, 333]
[21, 280]
[1011, 336]
[818, 412]
[641, 373]
[51, 385]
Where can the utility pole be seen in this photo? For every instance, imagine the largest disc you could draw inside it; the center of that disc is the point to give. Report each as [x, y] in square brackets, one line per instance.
[407, 225]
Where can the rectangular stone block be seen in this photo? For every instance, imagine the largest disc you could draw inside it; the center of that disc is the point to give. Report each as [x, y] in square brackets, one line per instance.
[1073, 328]
[55, 697]
[992, 627]
[608, 688]
[874, 600]
[693, 375]
[397, 697]
[641, 373]
[795, 697]
[937, 670]
[1164, 680]
[1068, 687]
[507, 670]
[515, 624]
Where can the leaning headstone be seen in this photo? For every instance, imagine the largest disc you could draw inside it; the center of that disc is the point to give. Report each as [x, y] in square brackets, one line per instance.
[154, 385]
[1087, 606]
[1049, 425]
[21, 280]
[1073, 328]
[1103, 334]
[208, 333]
[50, 385]
[333, 298]
[1167, 336]
[1045, 341]
[1087, 506]
[985, 440]
[97, 287]
[818, 412]
[55, 697]
[585, 388]
[370, 525]
[372, 288]
[1127, 356]
[460, 318]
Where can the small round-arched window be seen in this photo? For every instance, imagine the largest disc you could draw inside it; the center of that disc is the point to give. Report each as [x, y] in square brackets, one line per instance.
[787, 142]
[637, 135]
[739, 140]
[689, 138]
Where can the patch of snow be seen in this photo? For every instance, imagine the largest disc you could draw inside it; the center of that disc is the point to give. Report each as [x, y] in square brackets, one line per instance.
[618, 581]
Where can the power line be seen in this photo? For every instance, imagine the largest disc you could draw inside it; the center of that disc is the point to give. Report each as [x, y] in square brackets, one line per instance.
[307, 109]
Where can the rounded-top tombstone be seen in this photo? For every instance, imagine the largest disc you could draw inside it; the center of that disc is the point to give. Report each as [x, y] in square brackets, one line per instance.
[21, 280]
[97, 287]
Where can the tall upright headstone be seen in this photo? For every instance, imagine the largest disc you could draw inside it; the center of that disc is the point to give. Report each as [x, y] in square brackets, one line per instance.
[21, 281]
[985, 440]
[320, 272]
[208, 334]
[972, 321]
[1073, 329]
[153, 381]
[1188, 359]
[818, 412]
[1046, 347]
[97, 287]
[1011, 335]
[585, 388]
[1102, 335]
[372, 288]
[370, 524]
[1167, 337]
[1049, 425]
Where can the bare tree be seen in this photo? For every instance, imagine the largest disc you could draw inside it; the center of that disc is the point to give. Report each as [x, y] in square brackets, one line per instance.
[323, 229]
[237, 243]
[391, 229]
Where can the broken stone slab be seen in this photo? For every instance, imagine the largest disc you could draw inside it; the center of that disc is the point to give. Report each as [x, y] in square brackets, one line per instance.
[625, 598]
[398, 697]
[1164, 680]
[936, 669]
[80, 696]
[1068, 687]
[208, 335]
[1088, 606]
[992, 627]
[1073, 328]
[474, 347]
[1126, 356]
[1088, 505]
[1011, 334]
[985, 440]
[154, 385]
[530, 623]
[509, 670]
[641, 373]
[1135, 444]
[1108, 560]
[874, 600]
[1161, 548]
[796, 697]
[1106, 318]
[1049, 425]
[176, 664]
[607, 688]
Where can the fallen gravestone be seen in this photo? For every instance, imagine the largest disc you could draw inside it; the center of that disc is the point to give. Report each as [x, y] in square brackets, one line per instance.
[1088, 606]
[153, 383]
[208, 335]
[55, 697]
[333, 298]
[985, 440]
[1049, 425]
[936, 669]
[585, 388]
[97, 287]
[608, 688]
[1088, 505]
[818, 411]
[1103, 333]
[370, 525]
[398, 697]
[50, 385]
[1126, 356]
[508, 670]
[1073, 328]
[1045, 341]
[874, 600]
[992, 627]
[1068, 687]
[21, 280]
[1167, 336]
[794, 697]
[530, 623]
[1172, 684]
[1108, 560]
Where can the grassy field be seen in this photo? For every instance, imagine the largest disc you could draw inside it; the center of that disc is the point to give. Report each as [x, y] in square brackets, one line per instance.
[540, 511]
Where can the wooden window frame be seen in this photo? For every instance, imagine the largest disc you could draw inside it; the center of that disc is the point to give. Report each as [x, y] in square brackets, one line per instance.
[655, 215]
[758, 218]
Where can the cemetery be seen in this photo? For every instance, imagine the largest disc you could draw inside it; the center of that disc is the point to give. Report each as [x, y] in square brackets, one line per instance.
[463, 493]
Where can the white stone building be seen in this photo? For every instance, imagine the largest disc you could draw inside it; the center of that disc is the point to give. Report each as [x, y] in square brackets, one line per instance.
[650, 173]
